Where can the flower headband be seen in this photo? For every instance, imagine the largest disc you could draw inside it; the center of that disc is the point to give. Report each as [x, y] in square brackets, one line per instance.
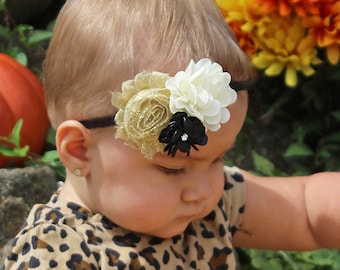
[158, 112]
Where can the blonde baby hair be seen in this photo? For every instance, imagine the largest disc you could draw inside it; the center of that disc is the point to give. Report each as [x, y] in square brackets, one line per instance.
[96, 45]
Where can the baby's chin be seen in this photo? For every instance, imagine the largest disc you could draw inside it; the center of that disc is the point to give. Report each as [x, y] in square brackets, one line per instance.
[170, 232]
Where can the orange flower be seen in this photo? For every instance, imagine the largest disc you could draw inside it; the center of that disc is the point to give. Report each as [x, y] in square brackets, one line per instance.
[325, 29]
[305, 7]
[285, 7]
[241, 16]
[269, 6]
[246, 40]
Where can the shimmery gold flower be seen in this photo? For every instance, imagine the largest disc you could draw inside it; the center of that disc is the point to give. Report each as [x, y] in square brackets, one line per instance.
[143, 111]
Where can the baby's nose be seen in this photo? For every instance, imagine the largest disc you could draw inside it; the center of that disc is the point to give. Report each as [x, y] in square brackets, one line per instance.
[198, 189]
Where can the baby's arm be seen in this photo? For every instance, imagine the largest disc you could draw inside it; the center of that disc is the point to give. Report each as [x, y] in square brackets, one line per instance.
[297, 213]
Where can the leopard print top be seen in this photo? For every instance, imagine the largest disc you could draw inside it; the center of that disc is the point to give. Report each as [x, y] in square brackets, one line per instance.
[64, 235]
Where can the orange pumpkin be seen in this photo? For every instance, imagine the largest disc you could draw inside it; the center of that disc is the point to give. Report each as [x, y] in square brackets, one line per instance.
[22, 96]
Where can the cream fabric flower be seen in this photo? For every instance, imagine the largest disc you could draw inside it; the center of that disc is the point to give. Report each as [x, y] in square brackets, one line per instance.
[203, 91]
[143, 111]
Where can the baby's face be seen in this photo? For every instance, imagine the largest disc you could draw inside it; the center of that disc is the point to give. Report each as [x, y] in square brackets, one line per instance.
[161, 196]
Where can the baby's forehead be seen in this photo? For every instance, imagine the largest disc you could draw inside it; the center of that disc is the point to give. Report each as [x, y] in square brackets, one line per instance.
[219, 142]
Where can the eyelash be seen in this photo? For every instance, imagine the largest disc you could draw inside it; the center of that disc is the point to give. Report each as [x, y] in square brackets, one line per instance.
[169, 171]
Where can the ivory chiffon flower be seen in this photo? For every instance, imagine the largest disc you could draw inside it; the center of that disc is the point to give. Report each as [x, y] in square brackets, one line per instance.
[202, 91]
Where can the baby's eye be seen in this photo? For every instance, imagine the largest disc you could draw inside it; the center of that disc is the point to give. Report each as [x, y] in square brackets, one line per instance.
[170, 171]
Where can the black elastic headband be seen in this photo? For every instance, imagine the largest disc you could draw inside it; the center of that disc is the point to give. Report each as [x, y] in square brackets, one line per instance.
[106, 121]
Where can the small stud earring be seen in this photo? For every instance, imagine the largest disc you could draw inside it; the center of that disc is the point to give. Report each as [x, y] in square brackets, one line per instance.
[77, 172]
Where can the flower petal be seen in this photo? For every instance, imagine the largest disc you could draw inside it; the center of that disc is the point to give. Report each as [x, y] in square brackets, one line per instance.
[291, 77]
[202, 90]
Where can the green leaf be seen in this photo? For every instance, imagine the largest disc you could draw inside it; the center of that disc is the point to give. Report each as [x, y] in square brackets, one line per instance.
[50, 156]
[21, 152]
[2, 5]
[298, 150]
[14, 139]
[15, 134]
[39, 36]
[262, 164]
[50, 26]
[4, 32]
[22, 28]
[14, 152]
[262, 259]
[50, 137]
[21, 57]
[59, 169]
[6, 151]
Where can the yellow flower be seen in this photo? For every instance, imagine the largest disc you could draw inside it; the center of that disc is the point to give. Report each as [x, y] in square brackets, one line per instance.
[143, 111]
[284, 46]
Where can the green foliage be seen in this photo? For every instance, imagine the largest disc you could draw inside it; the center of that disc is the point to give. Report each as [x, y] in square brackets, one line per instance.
[286, 260]
[23, 42]
[318, 144]
[264, 166]
[26, 44]
[309, 112]
[10, 147]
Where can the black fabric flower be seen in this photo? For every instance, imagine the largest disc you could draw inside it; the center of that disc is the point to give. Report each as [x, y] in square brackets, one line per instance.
[182, 133]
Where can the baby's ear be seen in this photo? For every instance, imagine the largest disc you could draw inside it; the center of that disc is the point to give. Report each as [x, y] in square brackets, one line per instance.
[72, 141]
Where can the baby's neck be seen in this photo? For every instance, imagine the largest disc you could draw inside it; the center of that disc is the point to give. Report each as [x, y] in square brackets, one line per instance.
[71, 190]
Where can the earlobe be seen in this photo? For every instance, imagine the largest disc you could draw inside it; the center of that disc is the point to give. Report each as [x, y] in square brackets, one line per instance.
[73, 140]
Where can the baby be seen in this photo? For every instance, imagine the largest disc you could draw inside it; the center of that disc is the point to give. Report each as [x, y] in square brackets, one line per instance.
[147, 96]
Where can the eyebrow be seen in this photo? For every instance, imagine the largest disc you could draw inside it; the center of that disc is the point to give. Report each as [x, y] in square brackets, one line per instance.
[106, 121]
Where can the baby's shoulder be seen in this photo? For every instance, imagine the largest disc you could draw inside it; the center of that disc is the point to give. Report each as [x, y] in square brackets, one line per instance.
[50, 237]
[233, 176]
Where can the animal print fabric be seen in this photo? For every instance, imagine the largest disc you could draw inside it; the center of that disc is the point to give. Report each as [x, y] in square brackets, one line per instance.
[64, 235]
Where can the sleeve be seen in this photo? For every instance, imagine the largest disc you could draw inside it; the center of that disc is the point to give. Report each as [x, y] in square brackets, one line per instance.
[234, 199]
[49, 246]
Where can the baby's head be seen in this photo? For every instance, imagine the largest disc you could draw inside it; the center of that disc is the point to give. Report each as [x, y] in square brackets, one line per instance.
[116, 49]
[97, 45]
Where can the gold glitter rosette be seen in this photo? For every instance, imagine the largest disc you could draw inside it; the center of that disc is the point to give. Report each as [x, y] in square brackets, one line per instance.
[143, 111]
